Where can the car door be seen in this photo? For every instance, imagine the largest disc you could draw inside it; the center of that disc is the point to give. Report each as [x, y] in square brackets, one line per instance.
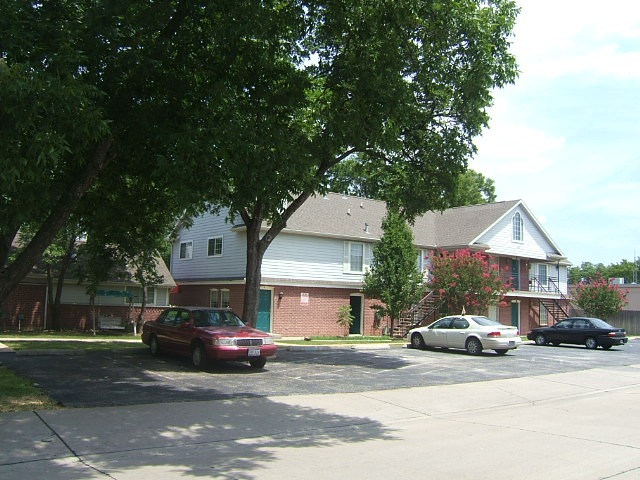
[582, 329]
[436, 334]
[183, 332]
[457, 334]
[561, 332]
[164, 329]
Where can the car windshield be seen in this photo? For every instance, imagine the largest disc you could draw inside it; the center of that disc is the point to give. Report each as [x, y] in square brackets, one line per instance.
[216, 318]
[485, 322]
[600, 323]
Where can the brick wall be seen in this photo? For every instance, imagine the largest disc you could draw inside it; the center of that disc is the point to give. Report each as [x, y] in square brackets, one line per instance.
[292, 317]
[24, 309]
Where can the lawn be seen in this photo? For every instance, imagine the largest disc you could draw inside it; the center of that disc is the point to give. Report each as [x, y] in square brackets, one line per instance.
[18, 394]
[61, 344]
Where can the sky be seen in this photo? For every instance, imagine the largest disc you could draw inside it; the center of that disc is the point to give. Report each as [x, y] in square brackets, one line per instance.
[565, 138]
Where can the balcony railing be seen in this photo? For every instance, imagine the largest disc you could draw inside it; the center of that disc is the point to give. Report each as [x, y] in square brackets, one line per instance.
[536, 284]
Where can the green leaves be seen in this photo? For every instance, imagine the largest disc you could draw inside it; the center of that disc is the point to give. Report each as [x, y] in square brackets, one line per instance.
[599, 298]
[394, 277]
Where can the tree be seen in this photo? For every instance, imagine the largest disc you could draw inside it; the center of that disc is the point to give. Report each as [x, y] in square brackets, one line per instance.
[404, 85]
[599, 298]
[239, 105]
[100, 98]
[625, 269]
[467, 281]
[394, 277]
[351, 177]
[472, 188]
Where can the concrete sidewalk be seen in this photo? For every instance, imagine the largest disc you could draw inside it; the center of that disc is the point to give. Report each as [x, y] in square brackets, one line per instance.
[580, 425]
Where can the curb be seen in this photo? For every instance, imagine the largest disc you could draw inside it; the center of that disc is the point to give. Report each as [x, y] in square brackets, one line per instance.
[324, 348]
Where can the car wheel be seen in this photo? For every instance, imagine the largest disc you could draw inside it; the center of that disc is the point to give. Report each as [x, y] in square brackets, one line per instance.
[474, 347]
[591, 343]
[540, 339]
[258, 362]
[417, 341]
[501, 351]
[153, 345]
[607, 347]
[199, 356]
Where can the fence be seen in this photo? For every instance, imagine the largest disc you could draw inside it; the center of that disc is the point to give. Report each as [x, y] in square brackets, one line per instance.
[627, 319]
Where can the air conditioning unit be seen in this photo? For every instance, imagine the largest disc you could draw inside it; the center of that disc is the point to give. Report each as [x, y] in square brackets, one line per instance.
[617, 281]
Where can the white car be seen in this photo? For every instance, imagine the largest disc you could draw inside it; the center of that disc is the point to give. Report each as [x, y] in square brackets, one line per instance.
[471, 332]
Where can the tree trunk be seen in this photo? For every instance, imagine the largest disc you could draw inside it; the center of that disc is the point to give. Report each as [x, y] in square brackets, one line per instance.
[12, 275]
[253, 275]
[64, 266]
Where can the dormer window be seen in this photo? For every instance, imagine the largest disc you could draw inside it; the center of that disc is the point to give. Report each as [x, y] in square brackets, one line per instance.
[517, 228]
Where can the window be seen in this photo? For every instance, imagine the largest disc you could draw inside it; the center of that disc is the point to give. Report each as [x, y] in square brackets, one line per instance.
[353, 257]
[214, 301]
[137, 295]
[542, 274]
[423, 262]
[214, 248]
[544, 315]
[224, 298]
[186, 250]
[517, 227]
[219, 298]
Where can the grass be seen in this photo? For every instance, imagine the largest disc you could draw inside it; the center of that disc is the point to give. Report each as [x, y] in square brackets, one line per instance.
[344, 340]
[17, 394]
[69, 344]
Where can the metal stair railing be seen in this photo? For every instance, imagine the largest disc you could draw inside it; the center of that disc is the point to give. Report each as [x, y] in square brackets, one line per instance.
[421, 311]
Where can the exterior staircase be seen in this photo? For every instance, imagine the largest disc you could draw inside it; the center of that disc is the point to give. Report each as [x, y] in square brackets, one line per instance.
[419, 314]
[558, 308]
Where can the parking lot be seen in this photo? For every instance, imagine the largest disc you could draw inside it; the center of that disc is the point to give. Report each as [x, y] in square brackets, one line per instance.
[129, 377]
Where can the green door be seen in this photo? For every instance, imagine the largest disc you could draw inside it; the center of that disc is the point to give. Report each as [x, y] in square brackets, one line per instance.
[264, 311]
[515, 314]
[356, 311]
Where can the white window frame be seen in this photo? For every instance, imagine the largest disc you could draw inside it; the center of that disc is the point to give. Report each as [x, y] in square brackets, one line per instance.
[137, 295]
[214, 298]
[543, 278]
[188, 250]
[225, 297]
[517, 228]
[366, 257]
[348, 257]
[216, 241]
[544, 316]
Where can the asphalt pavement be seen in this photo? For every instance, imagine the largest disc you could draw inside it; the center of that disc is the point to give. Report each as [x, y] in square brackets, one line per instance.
[576, 424]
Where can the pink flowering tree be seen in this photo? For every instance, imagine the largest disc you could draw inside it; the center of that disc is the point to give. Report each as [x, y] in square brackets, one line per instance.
[599, 298]
[467, 281]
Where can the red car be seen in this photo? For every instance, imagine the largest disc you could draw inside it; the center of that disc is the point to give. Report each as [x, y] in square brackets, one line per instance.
[207, 334]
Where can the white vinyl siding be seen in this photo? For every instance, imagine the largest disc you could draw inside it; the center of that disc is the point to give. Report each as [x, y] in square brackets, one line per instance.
[230, 264]
[315, 259]
[534, 244]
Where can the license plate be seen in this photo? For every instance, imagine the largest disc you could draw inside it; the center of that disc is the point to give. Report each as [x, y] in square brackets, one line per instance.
[512, 343]
[254, 352]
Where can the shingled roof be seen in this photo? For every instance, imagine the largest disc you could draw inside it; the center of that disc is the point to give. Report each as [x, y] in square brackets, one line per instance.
[336, 215]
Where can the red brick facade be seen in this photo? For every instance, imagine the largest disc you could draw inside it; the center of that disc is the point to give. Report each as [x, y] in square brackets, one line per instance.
[299, 312]
[25, 311]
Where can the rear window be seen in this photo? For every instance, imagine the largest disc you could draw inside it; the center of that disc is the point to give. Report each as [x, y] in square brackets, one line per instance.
[600, 323]
[485, 322]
